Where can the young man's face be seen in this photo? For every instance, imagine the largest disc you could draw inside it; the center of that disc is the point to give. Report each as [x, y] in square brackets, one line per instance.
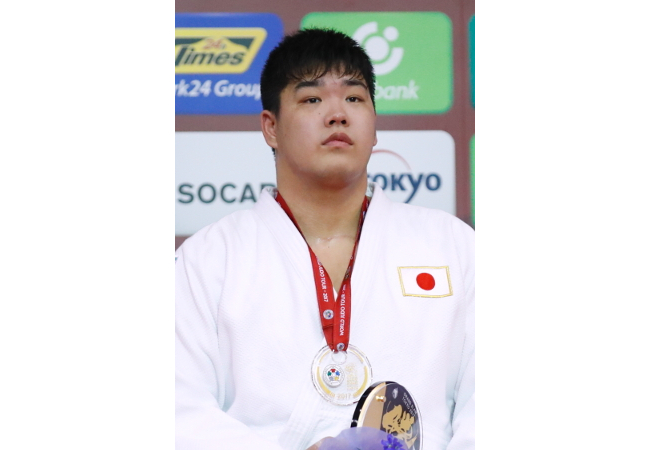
[325, 130]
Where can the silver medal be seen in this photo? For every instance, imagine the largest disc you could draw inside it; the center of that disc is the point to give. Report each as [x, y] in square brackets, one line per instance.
[341, 377]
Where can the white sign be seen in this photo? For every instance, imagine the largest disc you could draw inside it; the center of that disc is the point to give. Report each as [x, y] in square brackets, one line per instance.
[416, 167]
[218, 173]
[221, 172]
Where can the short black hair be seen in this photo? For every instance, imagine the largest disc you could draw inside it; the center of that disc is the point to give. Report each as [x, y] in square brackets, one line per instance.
[308, 55]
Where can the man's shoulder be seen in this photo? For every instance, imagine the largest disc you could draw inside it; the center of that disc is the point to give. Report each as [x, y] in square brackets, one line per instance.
[227, 229]
[413, 215]
[427, 218]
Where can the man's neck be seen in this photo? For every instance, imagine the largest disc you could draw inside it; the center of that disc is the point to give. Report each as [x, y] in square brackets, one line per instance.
[325, 213]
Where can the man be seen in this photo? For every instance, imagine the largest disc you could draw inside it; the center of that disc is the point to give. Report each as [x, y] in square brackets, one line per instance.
[319, 277]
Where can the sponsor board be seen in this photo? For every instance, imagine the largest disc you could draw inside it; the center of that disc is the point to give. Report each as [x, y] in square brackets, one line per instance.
[416, 167]
[218, 173]
[472, 172]
[410, 51]
[221, 172]
[472, 61]
[219, 59]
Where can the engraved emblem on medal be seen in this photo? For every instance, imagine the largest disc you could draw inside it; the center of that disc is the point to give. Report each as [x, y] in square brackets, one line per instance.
[341, 377]
[333, 375]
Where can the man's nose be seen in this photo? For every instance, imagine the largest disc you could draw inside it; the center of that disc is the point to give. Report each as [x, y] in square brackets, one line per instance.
[339, 118]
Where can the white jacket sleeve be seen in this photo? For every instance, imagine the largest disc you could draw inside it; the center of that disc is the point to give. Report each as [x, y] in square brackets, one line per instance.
[201, 422]
[463, 416]
[462, 420]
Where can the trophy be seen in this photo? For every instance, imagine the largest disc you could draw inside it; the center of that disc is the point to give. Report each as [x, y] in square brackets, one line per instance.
[389, 407]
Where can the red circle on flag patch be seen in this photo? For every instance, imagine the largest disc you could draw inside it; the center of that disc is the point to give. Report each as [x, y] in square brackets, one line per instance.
[425, 281]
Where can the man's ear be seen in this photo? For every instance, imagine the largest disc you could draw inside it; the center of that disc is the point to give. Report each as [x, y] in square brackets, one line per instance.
[269, 128]
[375, 139]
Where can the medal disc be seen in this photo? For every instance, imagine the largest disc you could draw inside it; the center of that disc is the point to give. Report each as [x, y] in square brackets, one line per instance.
[341, 377]
[389, 407]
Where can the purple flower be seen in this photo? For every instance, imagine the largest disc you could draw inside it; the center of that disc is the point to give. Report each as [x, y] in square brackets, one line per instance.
[392, 443]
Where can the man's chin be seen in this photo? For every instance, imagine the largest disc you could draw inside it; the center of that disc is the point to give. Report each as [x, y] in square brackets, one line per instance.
[340, 178]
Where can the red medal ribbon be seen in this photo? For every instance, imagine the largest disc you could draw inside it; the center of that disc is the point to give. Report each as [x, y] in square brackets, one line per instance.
[337, 332]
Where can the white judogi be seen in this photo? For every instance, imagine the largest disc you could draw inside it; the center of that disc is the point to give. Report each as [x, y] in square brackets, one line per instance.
[248, 328]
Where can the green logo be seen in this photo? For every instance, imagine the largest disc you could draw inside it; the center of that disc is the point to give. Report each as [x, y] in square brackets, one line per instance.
[411, 53]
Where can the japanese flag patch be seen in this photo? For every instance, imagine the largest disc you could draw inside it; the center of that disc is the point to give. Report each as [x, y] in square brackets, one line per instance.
[425, 281]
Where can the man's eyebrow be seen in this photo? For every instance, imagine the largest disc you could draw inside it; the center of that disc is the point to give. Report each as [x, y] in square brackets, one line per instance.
[308, 83]
[317, 82]
[355, 82]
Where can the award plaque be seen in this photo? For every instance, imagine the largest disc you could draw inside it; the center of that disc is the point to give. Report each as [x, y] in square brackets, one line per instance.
[389, 407]
[341, 377]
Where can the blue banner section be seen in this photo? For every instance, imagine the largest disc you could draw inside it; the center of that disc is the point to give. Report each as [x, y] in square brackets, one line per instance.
[219, 60]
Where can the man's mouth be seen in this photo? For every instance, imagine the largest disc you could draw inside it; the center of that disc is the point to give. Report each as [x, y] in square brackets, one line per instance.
[338, 138]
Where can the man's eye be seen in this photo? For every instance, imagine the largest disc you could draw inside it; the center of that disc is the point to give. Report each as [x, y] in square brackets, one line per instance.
[312, 100]
[354, 99]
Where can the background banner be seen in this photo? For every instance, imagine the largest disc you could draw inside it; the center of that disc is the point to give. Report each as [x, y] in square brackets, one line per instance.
[220, 172]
